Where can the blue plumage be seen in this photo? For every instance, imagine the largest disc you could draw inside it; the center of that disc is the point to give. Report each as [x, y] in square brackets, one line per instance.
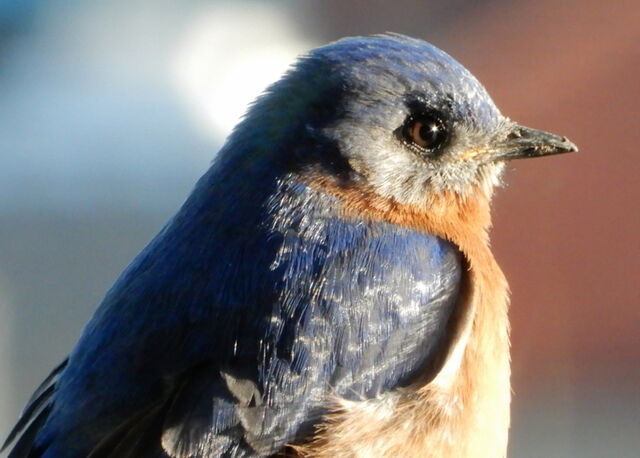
[304, 305]
[267, 296]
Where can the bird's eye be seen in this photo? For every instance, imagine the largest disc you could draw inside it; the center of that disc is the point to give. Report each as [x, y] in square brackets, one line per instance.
[425, 130]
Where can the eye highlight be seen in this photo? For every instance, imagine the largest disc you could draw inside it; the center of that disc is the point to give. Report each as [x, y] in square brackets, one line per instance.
[425, 131]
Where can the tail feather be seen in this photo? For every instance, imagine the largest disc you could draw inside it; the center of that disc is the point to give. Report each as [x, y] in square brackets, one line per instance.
[25, 446]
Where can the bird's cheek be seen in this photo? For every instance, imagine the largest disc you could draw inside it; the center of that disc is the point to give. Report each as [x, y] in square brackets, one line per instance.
[474, 154]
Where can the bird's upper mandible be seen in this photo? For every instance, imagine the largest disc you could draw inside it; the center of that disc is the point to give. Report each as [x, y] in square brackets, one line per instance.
[326, 289]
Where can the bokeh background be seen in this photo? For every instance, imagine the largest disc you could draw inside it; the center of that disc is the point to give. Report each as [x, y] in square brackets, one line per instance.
[110, 110]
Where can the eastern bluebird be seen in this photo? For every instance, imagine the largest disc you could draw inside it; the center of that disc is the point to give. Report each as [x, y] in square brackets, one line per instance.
[326, 290]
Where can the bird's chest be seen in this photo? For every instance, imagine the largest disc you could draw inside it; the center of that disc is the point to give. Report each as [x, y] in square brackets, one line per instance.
[389, 288]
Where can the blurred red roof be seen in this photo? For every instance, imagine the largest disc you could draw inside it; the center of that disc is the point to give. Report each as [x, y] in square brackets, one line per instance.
[566, 229]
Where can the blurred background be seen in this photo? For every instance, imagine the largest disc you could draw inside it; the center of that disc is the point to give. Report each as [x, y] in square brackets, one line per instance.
[110, 110]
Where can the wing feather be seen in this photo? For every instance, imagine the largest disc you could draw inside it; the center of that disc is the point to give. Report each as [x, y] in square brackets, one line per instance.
[236, 346]
[34, 414]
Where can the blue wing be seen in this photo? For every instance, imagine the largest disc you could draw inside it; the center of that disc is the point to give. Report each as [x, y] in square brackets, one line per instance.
[232, 328]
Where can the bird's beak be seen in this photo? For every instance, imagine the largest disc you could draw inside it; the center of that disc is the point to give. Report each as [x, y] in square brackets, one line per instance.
[523, 142]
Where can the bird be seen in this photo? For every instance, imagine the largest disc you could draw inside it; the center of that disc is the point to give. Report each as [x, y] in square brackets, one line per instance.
[327, 289]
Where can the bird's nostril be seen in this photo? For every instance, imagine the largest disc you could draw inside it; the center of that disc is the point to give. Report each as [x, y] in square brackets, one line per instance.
[514, 134]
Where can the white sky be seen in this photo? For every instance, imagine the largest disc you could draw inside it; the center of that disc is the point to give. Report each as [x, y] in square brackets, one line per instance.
[122, 103]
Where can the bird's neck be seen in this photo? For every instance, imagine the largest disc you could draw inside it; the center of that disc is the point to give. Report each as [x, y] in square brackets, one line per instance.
[461, 219]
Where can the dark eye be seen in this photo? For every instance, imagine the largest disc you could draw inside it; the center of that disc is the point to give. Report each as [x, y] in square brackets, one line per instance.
[425, 130]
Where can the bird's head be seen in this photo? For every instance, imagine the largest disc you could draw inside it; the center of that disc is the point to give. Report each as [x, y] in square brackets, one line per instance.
[397, 116]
